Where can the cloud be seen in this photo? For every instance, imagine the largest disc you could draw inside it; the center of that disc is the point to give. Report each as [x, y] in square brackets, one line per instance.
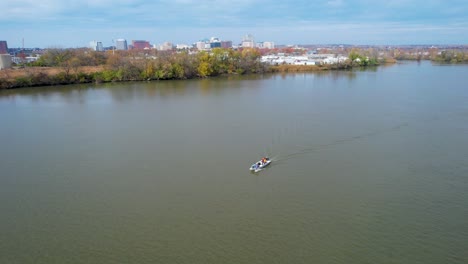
[294, 21]
[26, 9]
[227, 12]
[56, 9]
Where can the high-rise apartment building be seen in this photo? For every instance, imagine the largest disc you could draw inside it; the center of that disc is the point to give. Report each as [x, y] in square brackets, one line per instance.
[248, 41]
[121, 44]
[3, 47]
[200, 45]
[226, 44]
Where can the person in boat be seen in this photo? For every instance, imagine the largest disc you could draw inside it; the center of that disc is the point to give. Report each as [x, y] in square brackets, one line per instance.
[264, 160]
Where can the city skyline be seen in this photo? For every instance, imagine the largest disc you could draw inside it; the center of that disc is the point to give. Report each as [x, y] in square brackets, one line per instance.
[53, 23]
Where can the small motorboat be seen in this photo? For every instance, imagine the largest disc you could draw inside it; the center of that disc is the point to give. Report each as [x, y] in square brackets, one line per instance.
[259, 165]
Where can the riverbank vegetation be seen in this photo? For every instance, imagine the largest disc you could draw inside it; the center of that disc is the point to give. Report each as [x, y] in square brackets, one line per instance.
[451, 56]
[75, 66]
[84, 66]
[447, 56]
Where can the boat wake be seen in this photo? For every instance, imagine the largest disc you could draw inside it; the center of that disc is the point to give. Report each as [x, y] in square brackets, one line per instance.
[304, 150]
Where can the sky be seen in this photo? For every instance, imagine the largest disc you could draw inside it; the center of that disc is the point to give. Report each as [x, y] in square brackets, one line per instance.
[74, 23]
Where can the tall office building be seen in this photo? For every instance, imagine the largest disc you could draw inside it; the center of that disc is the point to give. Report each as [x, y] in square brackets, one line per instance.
[166, 46]
[99, 46]
[3, 47]
[121, 44]
[268, 45]
[265, 45]
[96, 45]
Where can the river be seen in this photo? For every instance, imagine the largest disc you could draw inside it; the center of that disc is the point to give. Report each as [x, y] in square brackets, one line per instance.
[369, 166]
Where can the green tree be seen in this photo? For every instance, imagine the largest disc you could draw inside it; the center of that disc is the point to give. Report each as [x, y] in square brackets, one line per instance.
[178, 71]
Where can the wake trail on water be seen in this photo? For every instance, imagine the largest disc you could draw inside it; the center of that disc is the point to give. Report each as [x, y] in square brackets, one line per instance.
[313, 148]
[297, 126]
[304, 150]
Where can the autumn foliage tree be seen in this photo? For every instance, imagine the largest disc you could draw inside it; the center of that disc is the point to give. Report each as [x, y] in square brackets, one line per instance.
[142, 65]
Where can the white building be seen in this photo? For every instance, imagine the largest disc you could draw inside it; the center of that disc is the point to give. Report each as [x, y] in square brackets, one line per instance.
[265, 45]
[200, 45]
[268, 45]
[312, 59]
[166, 46]
[182, 47]
[5, 61]
[96, 45]
[248, 41]
[208, 44]
[121, 44]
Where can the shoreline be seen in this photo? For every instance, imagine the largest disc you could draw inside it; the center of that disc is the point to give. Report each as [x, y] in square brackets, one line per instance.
[30, 77]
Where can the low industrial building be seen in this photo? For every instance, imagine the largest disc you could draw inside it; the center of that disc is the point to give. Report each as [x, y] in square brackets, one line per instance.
[311, 59]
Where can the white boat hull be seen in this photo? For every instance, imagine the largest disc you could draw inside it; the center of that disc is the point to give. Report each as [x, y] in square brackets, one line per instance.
[257, 168]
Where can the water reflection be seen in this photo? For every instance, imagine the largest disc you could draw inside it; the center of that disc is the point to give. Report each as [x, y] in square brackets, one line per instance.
[348, 74]
[54, 95]
[128, 91]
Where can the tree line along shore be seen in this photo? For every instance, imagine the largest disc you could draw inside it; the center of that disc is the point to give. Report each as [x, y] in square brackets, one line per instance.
[75, 66]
